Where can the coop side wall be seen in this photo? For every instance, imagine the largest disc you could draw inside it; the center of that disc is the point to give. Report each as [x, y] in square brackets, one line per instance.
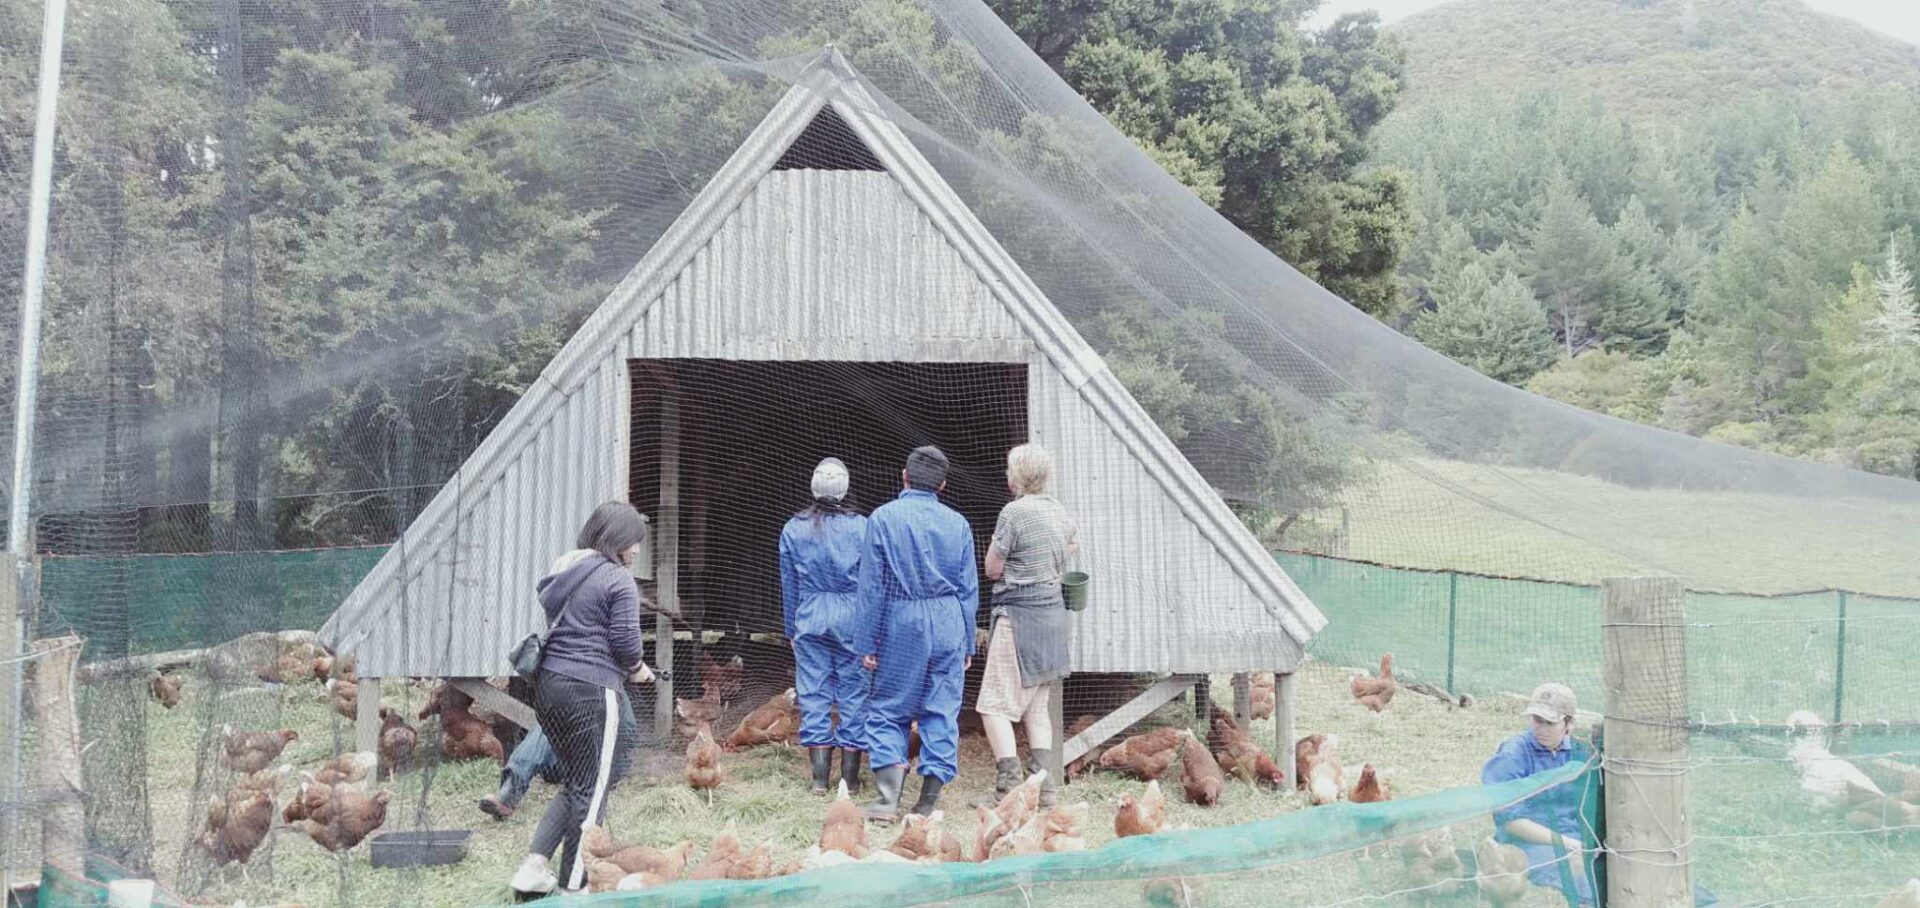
[455, 594]
[1162, 598]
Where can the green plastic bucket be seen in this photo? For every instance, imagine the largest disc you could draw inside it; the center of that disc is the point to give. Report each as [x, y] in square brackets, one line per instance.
[1073, 589]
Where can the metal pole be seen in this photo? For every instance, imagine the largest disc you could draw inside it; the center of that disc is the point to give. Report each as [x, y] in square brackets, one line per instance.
[1840, 662]
[1453, 603]
[33, 288]
[34, 282]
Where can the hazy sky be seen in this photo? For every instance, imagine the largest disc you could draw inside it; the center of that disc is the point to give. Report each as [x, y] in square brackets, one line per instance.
[1899, 18]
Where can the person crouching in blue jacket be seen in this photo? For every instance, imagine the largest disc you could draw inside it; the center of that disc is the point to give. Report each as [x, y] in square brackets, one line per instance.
[1551, 817]
[819, 592]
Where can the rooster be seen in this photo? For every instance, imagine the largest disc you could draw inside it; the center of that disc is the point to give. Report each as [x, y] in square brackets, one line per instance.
[1376, 693]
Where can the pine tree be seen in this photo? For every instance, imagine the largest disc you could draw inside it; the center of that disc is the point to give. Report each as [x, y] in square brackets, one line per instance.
[1496, 327]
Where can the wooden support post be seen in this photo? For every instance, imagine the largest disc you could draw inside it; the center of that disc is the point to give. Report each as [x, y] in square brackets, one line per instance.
[1644, 647]
[1056, 710]
[10, 690]
[492, 698]
[366, 722]
[1120, 719]
[1283, 730]
[56, 724]
[1243, 700]
[666, 568]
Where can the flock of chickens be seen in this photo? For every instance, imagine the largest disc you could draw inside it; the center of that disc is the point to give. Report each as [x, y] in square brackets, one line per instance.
[336, 806]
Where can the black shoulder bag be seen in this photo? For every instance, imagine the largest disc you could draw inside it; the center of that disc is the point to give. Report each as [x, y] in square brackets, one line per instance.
[528, 654]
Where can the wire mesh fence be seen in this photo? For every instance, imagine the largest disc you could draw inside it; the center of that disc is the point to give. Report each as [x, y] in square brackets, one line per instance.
[357, 311]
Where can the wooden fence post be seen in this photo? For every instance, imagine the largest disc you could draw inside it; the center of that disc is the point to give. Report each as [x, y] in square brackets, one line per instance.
[366, 717]
[56, 730]
[1644, 644]
[10, 677]
[666, 568]
[1283, 691]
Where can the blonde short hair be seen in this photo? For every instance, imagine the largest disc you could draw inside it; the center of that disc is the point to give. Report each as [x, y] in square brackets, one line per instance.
[1029, 469]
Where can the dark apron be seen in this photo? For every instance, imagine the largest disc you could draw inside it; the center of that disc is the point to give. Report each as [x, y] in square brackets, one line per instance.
[1040, 630]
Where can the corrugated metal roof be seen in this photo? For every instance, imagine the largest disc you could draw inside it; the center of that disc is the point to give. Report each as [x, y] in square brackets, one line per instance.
[830, 265]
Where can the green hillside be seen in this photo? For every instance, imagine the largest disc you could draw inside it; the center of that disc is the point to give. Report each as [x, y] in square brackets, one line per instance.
[1648, 59]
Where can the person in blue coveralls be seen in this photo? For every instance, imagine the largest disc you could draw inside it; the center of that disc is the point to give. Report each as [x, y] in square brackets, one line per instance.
[1551, 818]
[919, 597]
[819, 592]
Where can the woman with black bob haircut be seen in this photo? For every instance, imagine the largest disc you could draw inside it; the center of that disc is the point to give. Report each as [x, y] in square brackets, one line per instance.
[593, 646]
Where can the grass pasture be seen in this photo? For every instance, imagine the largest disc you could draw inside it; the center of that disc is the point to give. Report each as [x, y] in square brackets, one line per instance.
[1523, 522]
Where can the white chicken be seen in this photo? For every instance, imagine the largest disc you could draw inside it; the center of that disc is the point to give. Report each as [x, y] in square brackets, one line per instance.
[1828, 781]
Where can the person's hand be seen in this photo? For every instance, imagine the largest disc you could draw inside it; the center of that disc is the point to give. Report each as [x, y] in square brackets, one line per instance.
[870, 663]
[968, 665]
[641, 675]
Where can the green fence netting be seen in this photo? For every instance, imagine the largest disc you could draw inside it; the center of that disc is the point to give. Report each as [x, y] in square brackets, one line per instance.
[168, 595]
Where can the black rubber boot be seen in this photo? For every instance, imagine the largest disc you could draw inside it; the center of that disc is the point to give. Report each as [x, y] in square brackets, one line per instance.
[1006, 775]
[1049, 789]
[929, 796]
[850, 768]
[887, 781]
[821, 759]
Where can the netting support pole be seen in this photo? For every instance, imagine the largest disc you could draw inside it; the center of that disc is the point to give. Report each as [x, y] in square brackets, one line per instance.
[14, 799]
[666, 566]
[56, 723]
[1242, 700]
[1057, 707]
[1283, 727]
[1644, 648]
[1453, 611]
[366, 716]
[26, 404]
[1840, 661]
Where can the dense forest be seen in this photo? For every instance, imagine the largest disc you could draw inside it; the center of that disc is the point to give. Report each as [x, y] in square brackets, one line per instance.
[305, 254]
[1741, 272]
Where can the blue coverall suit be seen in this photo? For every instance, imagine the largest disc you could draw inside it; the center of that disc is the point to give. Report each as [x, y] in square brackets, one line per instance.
[819, 592]
[1557, 808]
[919, 596]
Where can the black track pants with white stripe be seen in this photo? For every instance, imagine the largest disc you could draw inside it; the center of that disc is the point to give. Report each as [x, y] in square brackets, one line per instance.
[583, 723]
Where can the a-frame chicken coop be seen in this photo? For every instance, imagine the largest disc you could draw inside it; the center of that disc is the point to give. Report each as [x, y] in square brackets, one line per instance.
[827, 292]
